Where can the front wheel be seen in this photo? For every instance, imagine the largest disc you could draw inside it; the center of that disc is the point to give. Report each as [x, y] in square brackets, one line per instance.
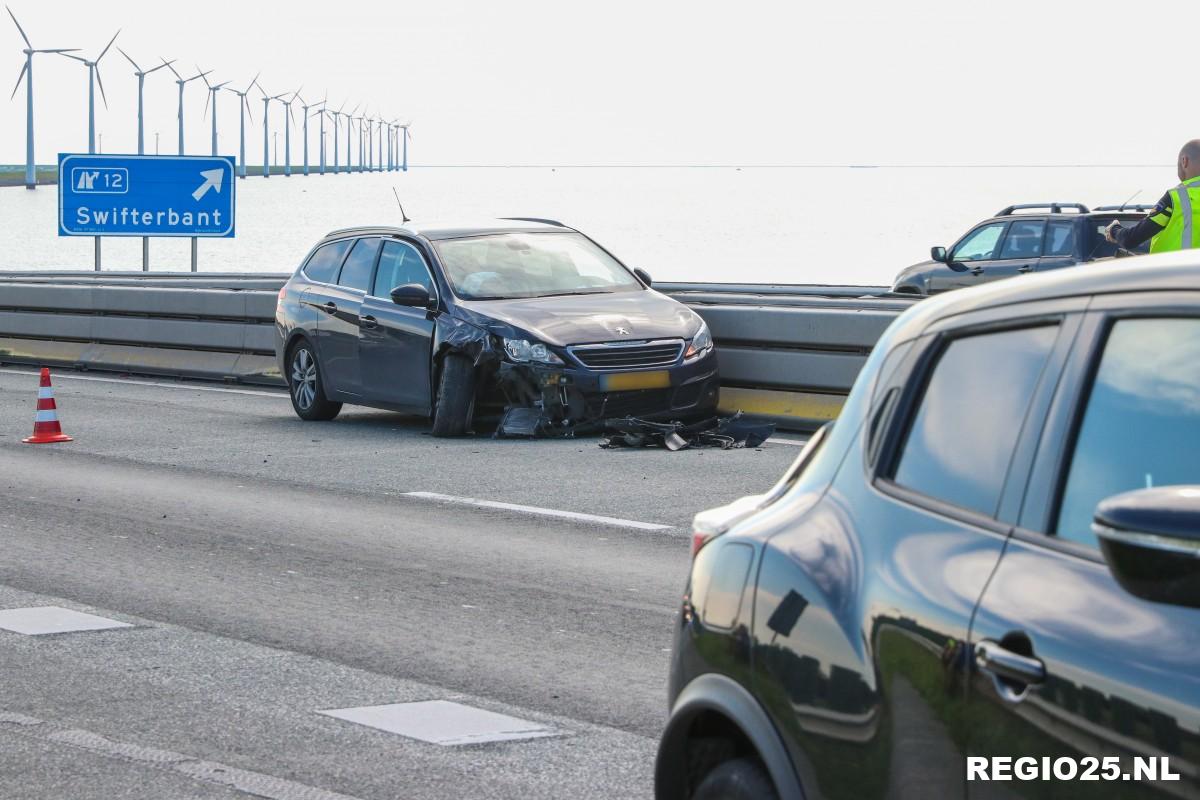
[306, 387]
[739, 779]
[456, 396]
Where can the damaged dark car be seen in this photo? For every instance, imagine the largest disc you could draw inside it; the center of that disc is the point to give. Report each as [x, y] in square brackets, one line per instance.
[526, 318]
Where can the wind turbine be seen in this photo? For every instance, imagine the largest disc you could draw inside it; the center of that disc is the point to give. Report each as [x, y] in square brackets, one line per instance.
[304, 110]
[243, 110]
[362, 151]
[141, 76]
[182, 81]
[288, 119]
[349, 118]
[212, 98]
[266, 130]
[379, 161]
[93, 68]
[27, 75]
[336, 127]
[404, 137]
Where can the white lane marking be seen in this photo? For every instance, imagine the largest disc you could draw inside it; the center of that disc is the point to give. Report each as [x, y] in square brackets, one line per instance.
[793, 442]
[256, 784]
[443, 722]
[58, 376]
[539, 511]
[53, 619]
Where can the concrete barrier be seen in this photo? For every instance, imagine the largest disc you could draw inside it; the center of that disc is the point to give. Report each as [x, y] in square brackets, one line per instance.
[788, 353]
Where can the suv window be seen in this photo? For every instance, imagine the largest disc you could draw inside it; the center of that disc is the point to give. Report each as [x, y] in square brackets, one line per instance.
[1024, 239]
[962, 439]
[1060, 239]
[1141, 427]
[323, 264]
[400, 264]
[356, 272]
[980, 244]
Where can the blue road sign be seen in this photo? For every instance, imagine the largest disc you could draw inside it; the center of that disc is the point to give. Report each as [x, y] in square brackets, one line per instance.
[145, 195]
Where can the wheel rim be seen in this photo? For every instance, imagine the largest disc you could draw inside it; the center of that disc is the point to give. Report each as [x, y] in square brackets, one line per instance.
[304, 378]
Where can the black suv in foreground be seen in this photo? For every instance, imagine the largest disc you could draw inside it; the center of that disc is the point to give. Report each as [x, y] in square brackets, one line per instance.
[530, 314]
[993, 552]
[1040, 238]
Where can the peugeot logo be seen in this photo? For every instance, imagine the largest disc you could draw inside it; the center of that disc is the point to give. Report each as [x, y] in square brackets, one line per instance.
[623, 331]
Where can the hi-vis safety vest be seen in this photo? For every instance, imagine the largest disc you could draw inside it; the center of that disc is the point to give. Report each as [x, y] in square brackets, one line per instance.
[1181, 229]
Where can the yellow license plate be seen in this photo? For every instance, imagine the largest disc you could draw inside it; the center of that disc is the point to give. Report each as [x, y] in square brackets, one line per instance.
[626, 381]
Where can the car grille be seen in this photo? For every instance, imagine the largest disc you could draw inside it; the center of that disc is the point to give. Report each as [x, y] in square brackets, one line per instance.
[628, 355]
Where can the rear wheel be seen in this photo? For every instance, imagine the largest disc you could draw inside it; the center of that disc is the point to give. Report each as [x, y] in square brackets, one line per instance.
[306, 387]
[456, 396]
[738, 779]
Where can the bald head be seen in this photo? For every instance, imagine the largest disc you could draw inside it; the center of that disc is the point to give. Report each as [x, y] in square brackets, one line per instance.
[1189, 160]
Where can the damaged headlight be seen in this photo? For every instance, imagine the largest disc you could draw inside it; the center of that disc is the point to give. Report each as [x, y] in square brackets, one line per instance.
[523, 351]
[701, 343]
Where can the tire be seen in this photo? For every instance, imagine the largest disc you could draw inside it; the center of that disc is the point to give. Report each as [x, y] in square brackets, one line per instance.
[455, 396]
[738, 779]
[305, 385]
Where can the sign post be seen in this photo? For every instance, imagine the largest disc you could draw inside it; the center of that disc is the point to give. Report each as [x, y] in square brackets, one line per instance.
[179, 196]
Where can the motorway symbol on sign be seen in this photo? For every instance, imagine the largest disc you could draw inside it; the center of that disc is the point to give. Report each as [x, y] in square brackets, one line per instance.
[145, 195]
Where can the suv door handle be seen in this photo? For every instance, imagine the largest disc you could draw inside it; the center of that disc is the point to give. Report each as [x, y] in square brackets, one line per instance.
[993, 658]
[329, 308]
[977, 271]
[367, 322]
[1025, 268]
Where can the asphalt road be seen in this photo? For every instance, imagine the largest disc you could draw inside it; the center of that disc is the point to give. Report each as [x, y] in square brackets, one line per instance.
[272, 569]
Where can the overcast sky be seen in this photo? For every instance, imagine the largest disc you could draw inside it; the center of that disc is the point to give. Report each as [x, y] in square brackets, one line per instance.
[636, 82]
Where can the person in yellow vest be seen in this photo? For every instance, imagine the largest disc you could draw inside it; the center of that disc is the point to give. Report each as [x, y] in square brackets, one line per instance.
[1174, 224]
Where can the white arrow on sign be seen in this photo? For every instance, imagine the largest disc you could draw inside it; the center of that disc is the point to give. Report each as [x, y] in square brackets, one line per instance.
[212, 180]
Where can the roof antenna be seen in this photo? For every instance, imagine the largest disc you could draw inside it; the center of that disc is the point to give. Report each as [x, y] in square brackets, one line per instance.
[402, 214]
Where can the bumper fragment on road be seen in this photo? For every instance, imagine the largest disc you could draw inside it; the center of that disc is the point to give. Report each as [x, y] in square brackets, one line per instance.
[44, 620]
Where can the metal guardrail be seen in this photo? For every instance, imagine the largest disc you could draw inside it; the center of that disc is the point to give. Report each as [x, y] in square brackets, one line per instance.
[788, 353]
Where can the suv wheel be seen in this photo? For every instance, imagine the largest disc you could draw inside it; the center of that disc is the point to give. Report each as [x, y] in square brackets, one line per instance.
[306, 387]
[739, 779]
[455, 397]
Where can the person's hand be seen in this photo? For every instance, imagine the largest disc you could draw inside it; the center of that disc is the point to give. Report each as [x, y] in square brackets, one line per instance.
[1110, 231]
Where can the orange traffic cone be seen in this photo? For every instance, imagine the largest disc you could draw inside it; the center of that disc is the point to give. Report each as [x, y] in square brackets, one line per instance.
[45, 424]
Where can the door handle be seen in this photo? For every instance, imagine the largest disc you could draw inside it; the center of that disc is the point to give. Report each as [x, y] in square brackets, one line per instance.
[329, 308]
[1025, 268]
[1003, 663]
[977, 271]
[367, 322]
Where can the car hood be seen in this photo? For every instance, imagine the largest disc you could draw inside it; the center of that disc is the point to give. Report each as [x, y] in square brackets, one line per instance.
[916, 273]
[579, 319]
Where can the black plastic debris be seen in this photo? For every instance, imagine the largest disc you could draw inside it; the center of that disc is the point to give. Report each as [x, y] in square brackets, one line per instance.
[726, 433]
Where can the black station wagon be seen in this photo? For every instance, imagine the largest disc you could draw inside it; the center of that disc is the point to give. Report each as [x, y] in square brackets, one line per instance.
[993, 552]
[527, 314]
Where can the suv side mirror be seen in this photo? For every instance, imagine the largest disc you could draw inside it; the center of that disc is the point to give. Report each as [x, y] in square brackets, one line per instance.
[411, 294]
[938, 254]
[1151, 541]
[643, 276]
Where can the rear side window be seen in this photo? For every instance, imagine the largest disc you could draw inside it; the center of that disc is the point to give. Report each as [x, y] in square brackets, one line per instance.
[1024, 239]
[356, 272]
[323, 264]
[1060, 239]
[1141, 427]
[962, 438]
[399, 265]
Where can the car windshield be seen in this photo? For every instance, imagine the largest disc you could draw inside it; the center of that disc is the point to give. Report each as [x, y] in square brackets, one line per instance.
[514, 265]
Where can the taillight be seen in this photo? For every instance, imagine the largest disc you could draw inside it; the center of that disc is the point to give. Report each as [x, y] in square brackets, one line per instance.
[699, 539]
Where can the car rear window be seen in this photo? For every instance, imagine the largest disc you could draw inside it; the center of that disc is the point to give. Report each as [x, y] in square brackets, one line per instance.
[1060, 239]
[961, 441]
[359, 266]
[323, 264]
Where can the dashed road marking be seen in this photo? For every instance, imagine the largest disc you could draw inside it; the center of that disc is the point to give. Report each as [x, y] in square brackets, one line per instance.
[539, 511]
[255, 784]
[443, 722]
[43, 620]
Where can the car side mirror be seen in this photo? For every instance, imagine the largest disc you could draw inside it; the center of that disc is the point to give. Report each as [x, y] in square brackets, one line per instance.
[1151, 541]
[411, 294]
[938, 254]
[644, 277]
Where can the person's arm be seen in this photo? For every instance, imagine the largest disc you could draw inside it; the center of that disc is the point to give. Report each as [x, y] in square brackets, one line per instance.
[1144, 230]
